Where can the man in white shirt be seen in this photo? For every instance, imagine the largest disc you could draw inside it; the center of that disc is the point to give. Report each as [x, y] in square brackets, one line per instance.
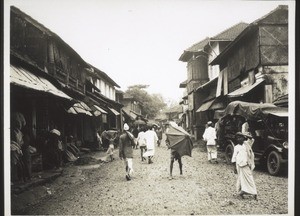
[210, 137]
[150, 139]
[141, 142]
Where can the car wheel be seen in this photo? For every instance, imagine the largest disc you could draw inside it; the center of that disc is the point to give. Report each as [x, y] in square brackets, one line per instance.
[274, 163]
[228, 153]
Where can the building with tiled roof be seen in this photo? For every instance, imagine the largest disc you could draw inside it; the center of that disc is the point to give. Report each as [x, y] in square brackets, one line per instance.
[200, 72]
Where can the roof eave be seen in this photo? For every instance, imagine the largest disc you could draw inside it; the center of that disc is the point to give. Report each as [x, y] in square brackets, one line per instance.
[219, 59]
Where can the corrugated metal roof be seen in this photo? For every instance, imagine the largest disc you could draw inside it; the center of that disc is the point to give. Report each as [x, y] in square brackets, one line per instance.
[22, 77]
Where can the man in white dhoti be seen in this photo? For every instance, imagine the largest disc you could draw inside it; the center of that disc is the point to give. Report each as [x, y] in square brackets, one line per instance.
[243, 157]
[150, 140]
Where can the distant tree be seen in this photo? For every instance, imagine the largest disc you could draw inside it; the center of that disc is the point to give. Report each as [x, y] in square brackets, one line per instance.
[152, 103]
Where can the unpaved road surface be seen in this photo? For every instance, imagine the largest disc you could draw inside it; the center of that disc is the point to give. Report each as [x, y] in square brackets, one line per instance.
[203, 189]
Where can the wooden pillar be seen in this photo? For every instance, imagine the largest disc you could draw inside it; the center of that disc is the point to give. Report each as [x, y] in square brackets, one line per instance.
[268, 94]
[225, 82]
[251, 76]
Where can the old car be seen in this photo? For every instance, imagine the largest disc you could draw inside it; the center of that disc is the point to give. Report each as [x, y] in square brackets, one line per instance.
[268, 125]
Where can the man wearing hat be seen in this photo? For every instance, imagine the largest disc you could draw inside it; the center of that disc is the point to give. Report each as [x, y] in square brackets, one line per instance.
[210, 137]
[126, 144]
[243, 158]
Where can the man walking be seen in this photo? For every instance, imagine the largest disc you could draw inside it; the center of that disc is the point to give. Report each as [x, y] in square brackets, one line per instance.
[141, 142]
[175, 156]
[210, 137]
[151, 139]
[126, 143]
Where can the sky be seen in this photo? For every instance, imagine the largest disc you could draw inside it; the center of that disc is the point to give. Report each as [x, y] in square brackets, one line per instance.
[140, 41]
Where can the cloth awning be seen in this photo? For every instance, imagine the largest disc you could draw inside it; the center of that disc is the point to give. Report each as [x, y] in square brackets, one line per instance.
[205, 106]
[133, 115]
[245, 89]
[128, 114]
[98, 110]
[114, 111]
[80, 107]
[213, 104]
[22, 77]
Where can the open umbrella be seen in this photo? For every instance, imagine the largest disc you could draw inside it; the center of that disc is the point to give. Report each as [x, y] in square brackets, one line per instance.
[110, 134]
[179, 140]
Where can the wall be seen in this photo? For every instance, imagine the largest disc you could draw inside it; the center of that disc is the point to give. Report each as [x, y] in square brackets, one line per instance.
[274, 45]
[213, 51]
[49, 53]
[278, 78]
[243, 57]
[27, 40]
[197, 68]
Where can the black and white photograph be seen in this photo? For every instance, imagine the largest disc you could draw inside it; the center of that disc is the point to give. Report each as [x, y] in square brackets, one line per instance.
[149, 107]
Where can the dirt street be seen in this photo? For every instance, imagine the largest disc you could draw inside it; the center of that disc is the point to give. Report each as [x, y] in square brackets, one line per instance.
[203, 189]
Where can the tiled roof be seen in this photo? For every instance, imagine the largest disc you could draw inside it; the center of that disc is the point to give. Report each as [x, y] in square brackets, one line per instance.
[227, 35]
[231, 33]
[198, 46]
[248, 29]
[183, 84]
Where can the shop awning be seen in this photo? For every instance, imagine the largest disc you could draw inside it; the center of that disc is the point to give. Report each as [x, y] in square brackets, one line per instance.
[22, 77]
[205, 106]
[133, 115]
[245, 89]
[98, 110]
[102, 111]
[114, 111]
[80, 107]
[128, 114]
[214, 104]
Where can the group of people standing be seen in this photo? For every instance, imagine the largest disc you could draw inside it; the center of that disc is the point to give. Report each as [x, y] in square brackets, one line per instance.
[22, 148]
[242, 158]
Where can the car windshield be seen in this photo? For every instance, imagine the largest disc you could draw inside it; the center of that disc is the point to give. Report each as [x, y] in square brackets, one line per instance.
[278, 127]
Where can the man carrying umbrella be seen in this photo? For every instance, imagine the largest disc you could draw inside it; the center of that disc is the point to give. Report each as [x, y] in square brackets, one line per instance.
[180, 143]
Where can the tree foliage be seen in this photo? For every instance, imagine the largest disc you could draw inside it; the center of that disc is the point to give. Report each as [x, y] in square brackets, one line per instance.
[151, 103]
